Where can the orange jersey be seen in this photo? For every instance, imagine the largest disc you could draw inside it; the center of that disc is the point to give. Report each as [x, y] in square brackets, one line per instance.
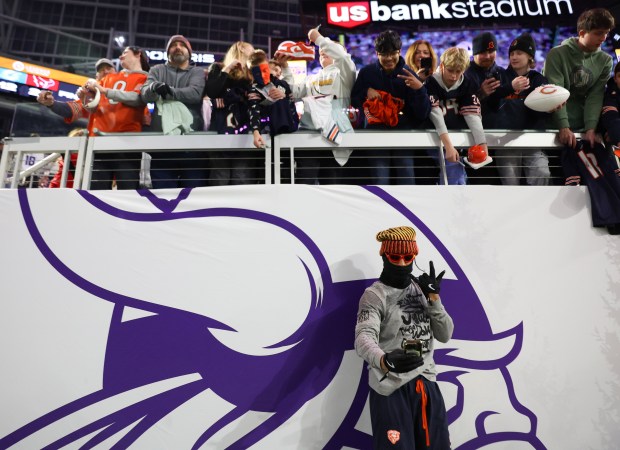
[113, 116]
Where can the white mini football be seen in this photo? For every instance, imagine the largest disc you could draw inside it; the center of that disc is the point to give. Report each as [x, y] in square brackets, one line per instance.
[91, 98]
[546, 97]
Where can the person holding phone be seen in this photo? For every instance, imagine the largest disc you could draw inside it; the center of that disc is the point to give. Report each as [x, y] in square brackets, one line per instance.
[421, 57]
[407, 410]
[486, 75]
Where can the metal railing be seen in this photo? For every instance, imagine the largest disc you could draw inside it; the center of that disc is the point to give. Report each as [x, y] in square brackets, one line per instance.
[274, 169]
[297, 143]
[15, 148]
[156, 142]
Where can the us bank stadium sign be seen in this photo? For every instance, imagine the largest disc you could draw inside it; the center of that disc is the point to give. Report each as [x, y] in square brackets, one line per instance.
[354, 14]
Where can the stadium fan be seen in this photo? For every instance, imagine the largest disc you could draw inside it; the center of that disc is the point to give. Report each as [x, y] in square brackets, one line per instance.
[421, 57]
[176, 87]
[267, 114]
[389, 87]
[325, 95]
[522, 80]
[228, 86]
[119, 110]
[454, 106]
[586, 161]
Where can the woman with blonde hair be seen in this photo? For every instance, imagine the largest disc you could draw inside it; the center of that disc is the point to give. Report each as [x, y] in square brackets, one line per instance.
[239, 52]
[413, 58]
[228, 86]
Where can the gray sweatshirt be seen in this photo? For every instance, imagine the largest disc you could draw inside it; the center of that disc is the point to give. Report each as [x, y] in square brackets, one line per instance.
[187, 87]
[388, 315]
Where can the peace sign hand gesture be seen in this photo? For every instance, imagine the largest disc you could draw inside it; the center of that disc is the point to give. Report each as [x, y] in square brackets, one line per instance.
[430, 284]
[410, 78]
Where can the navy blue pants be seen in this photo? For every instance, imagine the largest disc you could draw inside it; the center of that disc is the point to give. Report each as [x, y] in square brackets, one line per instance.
[398, 419]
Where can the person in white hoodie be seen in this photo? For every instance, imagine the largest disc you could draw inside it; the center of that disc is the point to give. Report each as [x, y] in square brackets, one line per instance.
[326, 96]
[454, 105]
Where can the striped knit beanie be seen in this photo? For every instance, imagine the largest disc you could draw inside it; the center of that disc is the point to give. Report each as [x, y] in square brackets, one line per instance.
[399, 240]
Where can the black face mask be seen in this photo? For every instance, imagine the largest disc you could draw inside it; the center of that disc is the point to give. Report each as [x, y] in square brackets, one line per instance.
[395, 276]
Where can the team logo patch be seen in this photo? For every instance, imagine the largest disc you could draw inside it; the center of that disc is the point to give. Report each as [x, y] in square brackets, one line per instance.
[393, 436]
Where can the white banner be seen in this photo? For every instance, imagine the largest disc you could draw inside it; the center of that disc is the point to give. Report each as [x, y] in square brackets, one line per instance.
[224, 317]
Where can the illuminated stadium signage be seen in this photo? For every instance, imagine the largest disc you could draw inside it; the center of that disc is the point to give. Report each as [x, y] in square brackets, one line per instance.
[25, 79]
[354, 14]
[38, 74]
[159, 56]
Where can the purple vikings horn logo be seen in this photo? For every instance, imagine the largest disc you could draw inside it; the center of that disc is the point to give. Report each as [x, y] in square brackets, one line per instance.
[257, 366]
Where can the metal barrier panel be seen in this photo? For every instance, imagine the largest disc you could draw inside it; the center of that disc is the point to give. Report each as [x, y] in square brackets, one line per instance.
[155, 142]
[16, 147]
[300, 146]
[363, 140]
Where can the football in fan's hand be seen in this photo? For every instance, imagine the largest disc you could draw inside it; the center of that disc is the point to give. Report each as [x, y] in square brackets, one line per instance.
[546, 98]
[91, 98]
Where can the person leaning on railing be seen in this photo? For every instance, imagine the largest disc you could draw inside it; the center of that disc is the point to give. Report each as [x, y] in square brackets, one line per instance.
[454, 106]
[181, 84]
[392, 97]
[228, 86]
[512, 114]
[118, 110]
[586, 161]
[325, 96]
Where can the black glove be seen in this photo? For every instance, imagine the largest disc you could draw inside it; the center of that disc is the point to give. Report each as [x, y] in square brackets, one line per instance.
[429, 283]
[400, 362]
[162, 89]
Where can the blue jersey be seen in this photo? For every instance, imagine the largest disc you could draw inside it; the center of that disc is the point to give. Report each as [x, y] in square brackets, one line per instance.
[454, 103]
[596, 168]
[610, 115]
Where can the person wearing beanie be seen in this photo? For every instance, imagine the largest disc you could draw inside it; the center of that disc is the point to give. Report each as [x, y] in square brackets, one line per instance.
[581, 66]
[484, 42]
[391, 75]
[398, 320]
[185, 43]
[514, 165]
[486, 75]
[179, 81]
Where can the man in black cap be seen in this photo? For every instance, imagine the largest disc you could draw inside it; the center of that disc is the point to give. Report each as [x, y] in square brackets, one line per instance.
[487, 75]
[177, 80]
